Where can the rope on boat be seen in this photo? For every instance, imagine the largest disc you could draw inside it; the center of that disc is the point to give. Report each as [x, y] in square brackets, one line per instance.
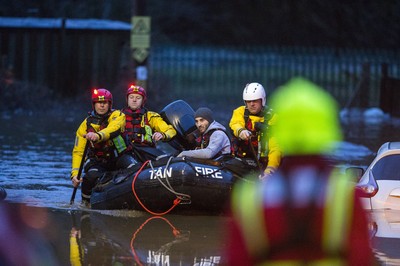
[175, 232]
[175, 202]
[181, 196]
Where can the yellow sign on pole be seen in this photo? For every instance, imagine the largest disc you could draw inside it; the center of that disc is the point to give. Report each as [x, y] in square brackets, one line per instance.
[140, 46]
[140, 33]
[141, 24]
[140, 54]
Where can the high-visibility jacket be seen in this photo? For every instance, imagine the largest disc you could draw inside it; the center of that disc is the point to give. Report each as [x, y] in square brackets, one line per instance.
[304, 216]
[266, 149]
[141, 124]
[115, 126]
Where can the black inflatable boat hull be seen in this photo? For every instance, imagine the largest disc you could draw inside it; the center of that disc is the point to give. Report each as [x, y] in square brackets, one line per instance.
[208, 188]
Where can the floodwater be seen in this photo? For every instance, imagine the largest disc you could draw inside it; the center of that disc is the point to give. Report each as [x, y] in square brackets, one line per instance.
[35, 157]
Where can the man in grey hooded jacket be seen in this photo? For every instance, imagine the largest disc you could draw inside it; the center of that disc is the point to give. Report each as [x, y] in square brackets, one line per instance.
[212, 140]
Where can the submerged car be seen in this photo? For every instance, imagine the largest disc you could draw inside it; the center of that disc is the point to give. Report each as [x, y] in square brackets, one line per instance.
[379, 184]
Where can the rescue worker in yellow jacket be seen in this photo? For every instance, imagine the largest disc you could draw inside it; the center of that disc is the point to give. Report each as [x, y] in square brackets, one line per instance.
[306, 213]
[250, 126]
[102, 132]
[143, 128]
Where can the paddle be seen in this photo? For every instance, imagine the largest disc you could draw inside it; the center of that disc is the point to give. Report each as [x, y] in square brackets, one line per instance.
[255, 155]
[80, 171]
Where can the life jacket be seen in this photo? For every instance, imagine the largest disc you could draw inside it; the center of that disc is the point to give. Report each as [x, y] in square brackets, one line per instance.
[137, 128]
[259, 139]
[105, 149]
[248, 202]
[203, 140]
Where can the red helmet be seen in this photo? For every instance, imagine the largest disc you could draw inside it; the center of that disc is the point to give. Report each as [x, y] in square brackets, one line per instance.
[102, 95]
[138, 90]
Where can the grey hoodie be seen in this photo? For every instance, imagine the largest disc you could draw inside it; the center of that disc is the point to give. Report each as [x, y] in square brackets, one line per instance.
[219, 142]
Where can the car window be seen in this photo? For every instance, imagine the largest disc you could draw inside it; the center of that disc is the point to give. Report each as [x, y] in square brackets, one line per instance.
[387, 168]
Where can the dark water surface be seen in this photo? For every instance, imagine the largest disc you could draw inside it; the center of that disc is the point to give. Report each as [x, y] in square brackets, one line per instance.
[35, 156]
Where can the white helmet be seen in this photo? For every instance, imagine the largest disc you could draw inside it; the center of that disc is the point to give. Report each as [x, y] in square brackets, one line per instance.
[254, 91]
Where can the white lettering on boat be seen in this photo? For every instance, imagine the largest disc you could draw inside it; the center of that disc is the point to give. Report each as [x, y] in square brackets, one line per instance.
[212, 260]
[208, 171]
[159, 173]
[158, 258]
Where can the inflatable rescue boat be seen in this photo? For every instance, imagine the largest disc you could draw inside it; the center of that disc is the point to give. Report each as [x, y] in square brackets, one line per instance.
[166, 183]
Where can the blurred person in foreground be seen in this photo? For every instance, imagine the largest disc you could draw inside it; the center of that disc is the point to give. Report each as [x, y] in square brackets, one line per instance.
[307, 213]
[250, 128]
[24, 236]
[212, 140]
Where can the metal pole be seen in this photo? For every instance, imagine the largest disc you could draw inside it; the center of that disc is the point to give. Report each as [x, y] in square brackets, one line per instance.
[140, 42]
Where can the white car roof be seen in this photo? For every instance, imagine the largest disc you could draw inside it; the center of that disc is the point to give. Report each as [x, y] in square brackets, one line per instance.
[389, 146]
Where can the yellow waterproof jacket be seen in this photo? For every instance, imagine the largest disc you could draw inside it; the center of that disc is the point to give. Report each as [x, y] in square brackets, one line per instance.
[158, 124]
[116, 123]
[238, 124]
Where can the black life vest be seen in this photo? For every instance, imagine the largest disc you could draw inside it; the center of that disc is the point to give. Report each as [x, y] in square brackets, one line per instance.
[104, 149]
[203, 140]
[137, 128]
[241, 148]
[259, 138]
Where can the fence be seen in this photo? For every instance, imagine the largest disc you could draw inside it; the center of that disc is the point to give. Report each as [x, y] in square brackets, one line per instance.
[219, 75]
[71, 56]
[65, 55]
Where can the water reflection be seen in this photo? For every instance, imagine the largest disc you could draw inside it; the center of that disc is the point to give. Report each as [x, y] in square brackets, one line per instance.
[385, 233]
[35, 160]
[146, 240]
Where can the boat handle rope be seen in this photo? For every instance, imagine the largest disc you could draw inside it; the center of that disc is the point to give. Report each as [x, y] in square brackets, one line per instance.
[181, 196]
[175, 202]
